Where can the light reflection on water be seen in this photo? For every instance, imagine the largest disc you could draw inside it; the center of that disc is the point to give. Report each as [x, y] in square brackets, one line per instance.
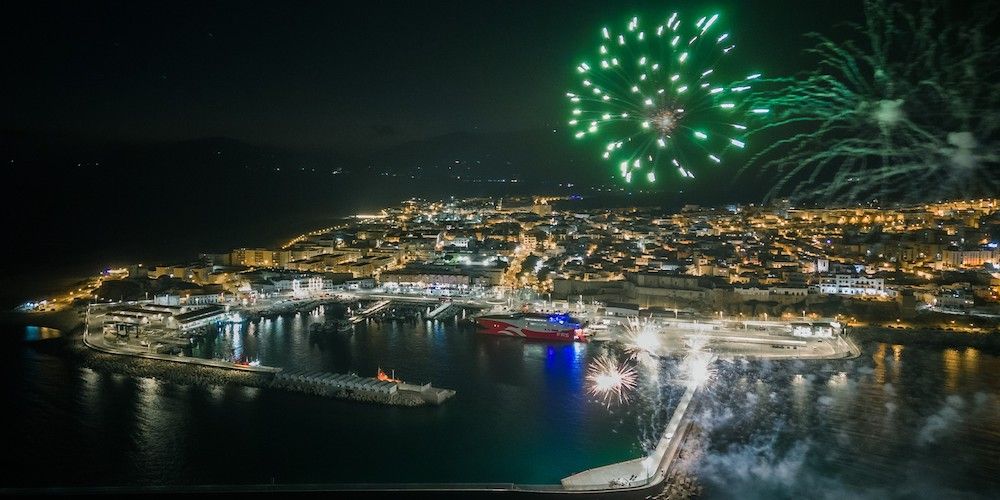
[521, 415]
[911, 421]
[36, 333]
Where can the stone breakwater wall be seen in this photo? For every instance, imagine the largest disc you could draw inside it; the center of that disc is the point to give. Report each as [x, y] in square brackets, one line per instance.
[194, 374]
[399, 398]
[179, 373]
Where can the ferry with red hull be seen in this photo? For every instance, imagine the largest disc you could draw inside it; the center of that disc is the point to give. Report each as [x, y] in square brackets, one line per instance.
[535, 326]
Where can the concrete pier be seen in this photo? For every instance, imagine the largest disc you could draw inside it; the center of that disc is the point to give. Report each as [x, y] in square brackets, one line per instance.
[374, 308]
[439, 310]
[646, 471]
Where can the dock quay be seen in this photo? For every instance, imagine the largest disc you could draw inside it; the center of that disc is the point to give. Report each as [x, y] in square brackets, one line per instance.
[444, 311]
[354, 387]
[369, 311]
[409, 308]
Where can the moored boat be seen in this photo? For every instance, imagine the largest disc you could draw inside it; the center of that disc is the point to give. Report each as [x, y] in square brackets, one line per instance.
[535, 326]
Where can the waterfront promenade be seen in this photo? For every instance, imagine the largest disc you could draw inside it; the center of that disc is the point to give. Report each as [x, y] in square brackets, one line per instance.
[96, 341]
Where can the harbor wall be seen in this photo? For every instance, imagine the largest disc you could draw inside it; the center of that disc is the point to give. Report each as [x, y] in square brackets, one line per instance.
[940, 338]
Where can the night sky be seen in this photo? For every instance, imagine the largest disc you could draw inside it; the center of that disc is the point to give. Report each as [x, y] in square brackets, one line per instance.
[152, 131]
[321, 74]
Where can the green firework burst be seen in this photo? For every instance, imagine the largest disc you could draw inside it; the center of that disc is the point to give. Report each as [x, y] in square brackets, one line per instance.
[654, 98]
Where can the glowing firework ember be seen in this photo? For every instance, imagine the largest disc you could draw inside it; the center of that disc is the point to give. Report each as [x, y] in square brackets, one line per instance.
[907, 111]
[697, 368]
[642, 338]
[611, 380]
[660, 96]
[696, 343]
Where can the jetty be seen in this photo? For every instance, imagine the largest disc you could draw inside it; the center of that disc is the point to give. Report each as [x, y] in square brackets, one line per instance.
[369, 311]
[354, 387]
[444, 311]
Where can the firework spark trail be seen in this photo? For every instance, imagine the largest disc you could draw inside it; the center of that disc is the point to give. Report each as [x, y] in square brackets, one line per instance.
[642, 339]
[696, 367]
[643, 344]
[611, 380]
[908, 111]
[661, 95]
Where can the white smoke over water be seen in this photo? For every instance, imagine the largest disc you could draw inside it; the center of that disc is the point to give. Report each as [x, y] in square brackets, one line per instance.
[852, 436]
[943, 422]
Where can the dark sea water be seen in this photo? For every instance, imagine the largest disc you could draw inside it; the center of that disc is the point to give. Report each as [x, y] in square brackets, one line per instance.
[521, 415]
[910, 421]
[913, 421]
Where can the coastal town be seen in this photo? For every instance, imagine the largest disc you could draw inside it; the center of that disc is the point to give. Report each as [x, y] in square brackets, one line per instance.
[719, 283]
[922, 266]
[654, 251]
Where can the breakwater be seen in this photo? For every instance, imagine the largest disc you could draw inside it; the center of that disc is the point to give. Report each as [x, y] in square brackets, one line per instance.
[646, 471]
[180, 373]
[349, 387]
[353, 387]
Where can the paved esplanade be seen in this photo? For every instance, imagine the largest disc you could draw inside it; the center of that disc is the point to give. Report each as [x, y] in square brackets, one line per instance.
[95, 340]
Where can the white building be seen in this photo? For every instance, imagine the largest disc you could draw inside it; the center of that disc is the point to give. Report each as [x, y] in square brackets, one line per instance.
[307, 286]
[620, 309]
[853, 285]
[821, 329]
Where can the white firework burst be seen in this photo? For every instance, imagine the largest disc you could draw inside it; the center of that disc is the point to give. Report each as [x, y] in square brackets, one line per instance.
[611, 380]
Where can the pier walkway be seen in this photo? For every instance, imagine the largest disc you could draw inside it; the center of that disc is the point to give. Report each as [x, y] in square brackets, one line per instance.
[446, 310]
[374, 308]
[641, 472]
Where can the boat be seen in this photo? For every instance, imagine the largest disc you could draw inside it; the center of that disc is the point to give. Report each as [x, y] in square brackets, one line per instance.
[535, 326]
[381, 376]
[344, 326]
